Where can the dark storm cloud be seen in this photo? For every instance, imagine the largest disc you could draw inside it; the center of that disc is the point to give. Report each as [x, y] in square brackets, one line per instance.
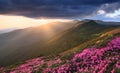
[52, 8]
[110, 7]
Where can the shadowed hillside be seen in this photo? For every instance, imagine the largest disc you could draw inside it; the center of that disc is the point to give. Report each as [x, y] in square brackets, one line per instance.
[13, 45]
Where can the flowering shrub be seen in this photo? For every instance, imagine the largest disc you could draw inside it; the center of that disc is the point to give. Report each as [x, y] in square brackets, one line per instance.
[29, 67]
[90, 60]
[93, 60]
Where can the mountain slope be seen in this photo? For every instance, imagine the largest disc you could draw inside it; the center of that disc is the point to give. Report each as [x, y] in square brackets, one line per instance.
[98, 40]
[12, 42]
[97, 59]
[76, 33]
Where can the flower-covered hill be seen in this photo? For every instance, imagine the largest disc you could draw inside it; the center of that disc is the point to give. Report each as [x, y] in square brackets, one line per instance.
[90, 60]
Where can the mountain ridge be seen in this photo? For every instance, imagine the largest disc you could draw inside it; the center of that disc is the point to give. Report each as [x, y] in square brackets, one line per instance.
[76, 34]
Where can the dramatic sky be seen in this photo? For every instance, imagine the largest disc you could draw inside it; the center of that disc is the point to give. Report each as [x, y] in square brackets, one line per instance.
[26, 10]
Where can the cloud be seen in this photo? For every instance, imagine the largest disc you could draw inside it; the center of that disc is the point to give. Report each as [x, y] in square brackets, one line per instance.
[101, 12]
[115, 14]
[110, 7]
[56, 8]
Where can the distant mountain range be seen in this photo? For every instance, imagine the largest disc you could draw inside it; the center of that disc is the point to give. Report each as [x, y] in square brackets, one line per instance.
[98, 21]
[6, 30]
[50, 39]
[103, 22]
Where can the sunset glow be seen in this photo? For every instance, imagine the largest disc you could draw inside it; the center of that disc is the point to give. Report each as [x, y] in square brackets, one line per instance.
[23, 22]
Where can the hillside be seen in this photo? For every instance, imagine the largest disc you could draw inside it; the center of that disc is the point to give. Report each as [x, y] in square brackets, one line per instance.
[12, 42]
[20, 45]
[105, 36]
[78, 35]
[99, 59]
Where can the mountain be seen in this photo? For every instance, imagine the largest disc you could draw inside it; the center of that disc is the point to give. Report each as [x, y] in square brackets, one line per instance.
[12, 42]
[47, 40]
[81, 33]
[108, 23]
[6, 30]
[103, 22]
[102, 58]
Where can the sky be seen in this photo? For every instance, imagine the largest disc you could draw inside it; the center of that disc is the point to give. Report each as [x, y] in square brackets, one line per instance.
[24, 13]
[18, 22]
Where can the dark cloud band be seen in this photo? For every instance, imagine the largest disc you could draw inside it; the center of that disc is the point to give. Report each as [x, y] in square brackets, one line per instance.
[52, 8]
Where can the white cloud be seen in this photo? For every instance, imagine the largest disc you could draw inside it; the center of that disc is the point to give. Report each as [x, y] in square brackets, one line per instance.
[115, 14]
[101, 12]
